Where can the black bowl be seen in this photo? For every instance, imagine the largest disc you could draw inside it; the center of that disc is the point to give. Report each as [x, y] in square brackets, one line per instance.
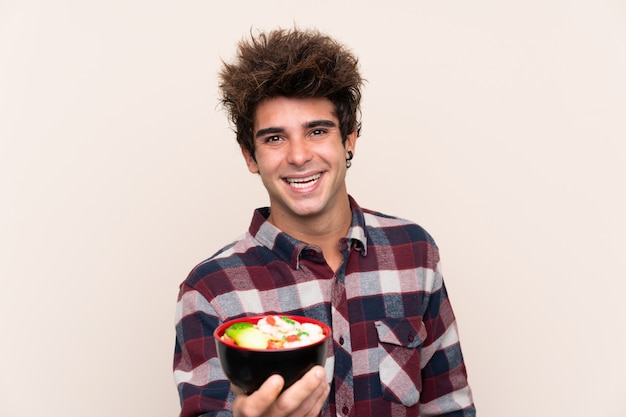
[249, 368]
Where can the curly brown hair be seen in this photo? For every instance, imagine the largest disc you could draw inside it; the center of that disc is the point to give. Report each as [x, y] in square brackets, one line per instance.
[290, 63]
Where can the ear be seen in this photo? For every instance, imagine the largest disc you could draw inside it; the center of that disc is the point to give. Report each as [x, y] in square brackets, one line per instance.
[350, 143]
[252, 166]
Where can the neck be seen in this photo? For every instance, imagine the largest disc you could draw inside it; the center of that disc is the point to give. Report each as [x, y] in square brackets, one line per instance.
[323, 230]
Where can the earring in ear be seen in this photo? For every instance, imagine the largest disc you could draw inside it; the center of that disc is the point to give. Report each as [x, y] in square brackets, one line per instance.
[349, 159]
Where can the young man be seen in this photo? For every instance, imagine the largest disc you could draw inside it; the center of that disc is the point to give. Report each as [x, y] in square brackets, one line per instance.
[293, 97]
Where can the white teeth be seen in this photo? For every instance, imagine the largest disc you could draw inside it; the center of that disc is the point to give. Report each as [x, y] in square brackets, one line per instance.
[303, 182]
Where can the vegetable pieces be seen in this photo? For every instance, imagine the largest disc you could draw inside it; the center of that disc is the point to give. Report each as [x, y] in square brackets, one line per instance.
[246, 335]
[273, 332]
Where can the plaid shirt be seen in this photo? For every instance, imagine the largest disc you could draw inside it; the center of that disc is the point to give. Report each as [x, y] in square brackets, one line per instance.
[395, 349]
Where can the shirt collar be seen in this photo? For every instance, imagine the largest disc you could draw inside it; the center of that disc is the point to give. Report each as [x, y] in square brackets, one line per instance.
[290, 249]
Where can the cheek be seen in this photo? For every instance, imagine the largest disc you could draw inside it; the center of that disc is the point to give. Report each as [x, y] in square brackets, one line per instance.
[335, 156]
[267, 163]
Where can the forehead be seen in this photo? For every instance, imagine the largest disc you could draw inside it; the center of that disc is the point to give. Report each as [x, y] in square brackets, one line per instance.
[287, 111]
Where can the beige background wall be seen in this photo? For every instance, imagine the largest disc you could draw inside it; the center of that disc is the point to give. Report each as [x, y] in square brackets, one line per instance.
[498, 126]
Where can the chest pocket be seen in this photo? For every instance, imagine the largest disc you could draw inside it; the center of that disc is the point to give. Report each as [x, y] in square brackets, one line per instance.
[400, 341]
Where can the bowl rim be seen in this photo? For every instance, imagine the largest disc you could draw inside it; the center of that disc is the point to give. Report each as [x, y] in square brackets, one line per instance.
[219, 331]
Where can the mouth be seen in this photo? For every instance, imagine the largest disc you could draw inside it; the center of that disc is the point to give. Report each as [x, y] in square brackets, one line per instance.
[303, 182]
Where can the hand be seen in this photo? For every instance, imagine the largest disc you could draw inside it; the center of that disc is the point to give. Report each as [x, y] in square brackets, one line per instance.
[305, 398]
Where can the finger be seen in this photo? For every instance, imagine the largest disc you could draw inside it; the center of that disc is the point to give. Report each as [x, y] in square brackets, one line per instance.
[314, 403]
[271, 388]
[258, 402]
[308, 393]
[314, 400]
[321, 400]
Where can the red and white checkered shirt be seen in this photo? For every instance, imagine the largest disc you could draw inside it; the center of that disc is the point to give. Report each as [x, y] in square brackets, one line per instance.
[395, 349]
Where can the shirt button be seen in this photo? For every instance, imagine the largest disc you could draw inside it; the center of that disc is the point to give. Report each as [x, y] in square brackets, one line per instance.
[341, 340]
[345, 409]
[411, 338]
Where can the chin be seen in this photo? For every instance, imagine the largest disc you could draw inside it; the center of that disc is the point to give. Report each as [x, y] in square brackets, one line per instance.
[310, 209]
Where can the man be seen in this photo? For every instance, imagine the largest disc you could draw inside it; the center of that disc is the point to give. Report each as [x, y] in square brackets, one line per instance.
[293, 97]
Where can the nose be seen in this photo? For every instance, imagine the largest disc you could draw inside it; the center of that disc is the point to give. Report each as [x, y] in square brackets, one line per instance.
[299, 151]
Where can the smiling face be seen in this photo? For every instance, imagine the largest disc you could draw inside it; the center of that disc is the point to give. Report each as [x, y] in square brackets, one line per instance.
[301, 159]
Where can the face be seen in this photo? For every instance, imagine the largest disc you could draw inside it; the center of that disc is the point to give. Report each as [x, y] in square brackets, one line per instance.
[300, 157]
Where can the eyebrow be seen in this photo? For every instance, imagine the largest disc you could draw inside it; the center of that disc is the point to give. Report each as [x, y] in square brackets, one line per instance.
[307, 125]
[316, 123]
[267, 131]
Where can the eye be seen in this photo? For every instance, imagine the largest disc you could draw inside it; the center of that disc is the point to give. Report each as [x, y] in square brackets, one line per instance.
[270, 139]
[318, 132]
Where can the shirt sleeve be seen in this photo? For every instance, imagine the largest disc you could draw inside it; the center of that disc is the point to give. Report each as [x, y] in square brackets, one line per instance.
[203, 388]
[445, 389]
